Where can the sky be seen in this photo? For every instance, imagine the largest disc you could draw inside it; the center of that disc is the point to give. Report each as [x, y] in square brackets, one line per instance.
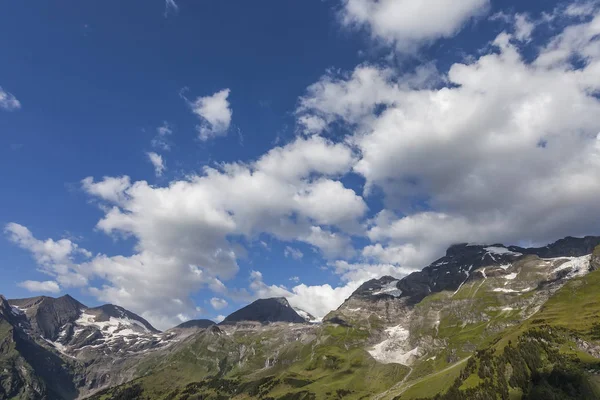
[182, 158]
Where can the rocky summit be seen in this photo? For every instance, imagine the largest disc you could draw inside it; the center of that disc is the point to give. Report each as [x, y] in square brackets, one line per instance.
[482, 322]
[266, 311]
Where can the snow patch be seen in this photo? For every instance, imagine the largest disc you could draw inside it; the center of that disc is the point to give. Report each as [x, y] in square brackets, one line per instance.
[114, 326]
[16, 310]
[501, 251]
[58, 346]
[504, 290]
[393, 349]
[461, 285]
[579, 265]
[510, 276]
[389, 289]
[306, 315]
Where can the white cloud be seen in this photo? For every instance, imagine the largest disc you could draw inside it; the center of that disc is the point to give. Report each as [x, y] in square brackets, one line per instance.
[218, 304]
[157, 162]
[111, 189]
[46, 286]
[358, 273]
[215, 113]
[354, 97]
[8, 102]
[293, 253]
[506, 150]
[523, 27]
[408, 23]
[317, 300]
[315, 202]
[295, 279]
[182, 231]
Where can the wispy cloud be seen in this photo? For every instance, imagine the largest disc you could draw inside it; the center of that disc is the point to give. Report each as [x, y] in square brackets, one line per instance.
[8, 102]
[170, 7]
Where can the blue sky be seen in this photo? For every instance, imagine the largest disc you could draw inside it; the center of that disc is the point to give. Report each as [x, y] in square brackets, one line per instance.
[345, 139]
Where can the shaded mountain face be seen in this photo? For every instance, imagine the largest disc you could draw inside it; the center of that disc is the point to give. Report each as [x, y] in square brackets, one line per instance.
[8, 313]
[47, 315]
[266, 311]
[196, 324]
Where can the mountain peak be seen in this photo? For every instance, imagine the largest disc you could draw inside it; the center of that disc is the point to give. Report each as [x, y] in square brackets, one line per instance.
[105, 312]
[276, 309]
[49, 314]
[196, 324]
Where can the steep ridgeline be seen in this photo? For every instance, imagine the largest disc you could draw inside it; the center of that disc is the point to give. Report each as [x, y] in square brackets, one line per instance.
[276, 309]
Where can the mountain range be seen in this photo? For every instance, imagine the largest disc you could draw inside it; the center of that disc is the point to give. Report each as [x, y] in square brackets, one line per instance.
[482, 322]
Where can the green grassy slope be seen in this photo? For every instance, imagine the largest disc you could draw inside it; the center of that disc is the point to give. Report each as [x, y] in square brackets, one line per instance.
[333, 365]
[560, 343]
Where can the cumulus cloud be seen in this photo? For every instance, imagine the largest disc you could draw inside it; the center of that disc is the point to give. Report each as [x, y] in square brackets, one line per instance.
[506, 150]
[183, 231]
[215, 113]
[8, 102]
[111, 189]
[46, 286]
[357, 273]
[354, 97]
[218, 304]
[157, 162]
[407, 24]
